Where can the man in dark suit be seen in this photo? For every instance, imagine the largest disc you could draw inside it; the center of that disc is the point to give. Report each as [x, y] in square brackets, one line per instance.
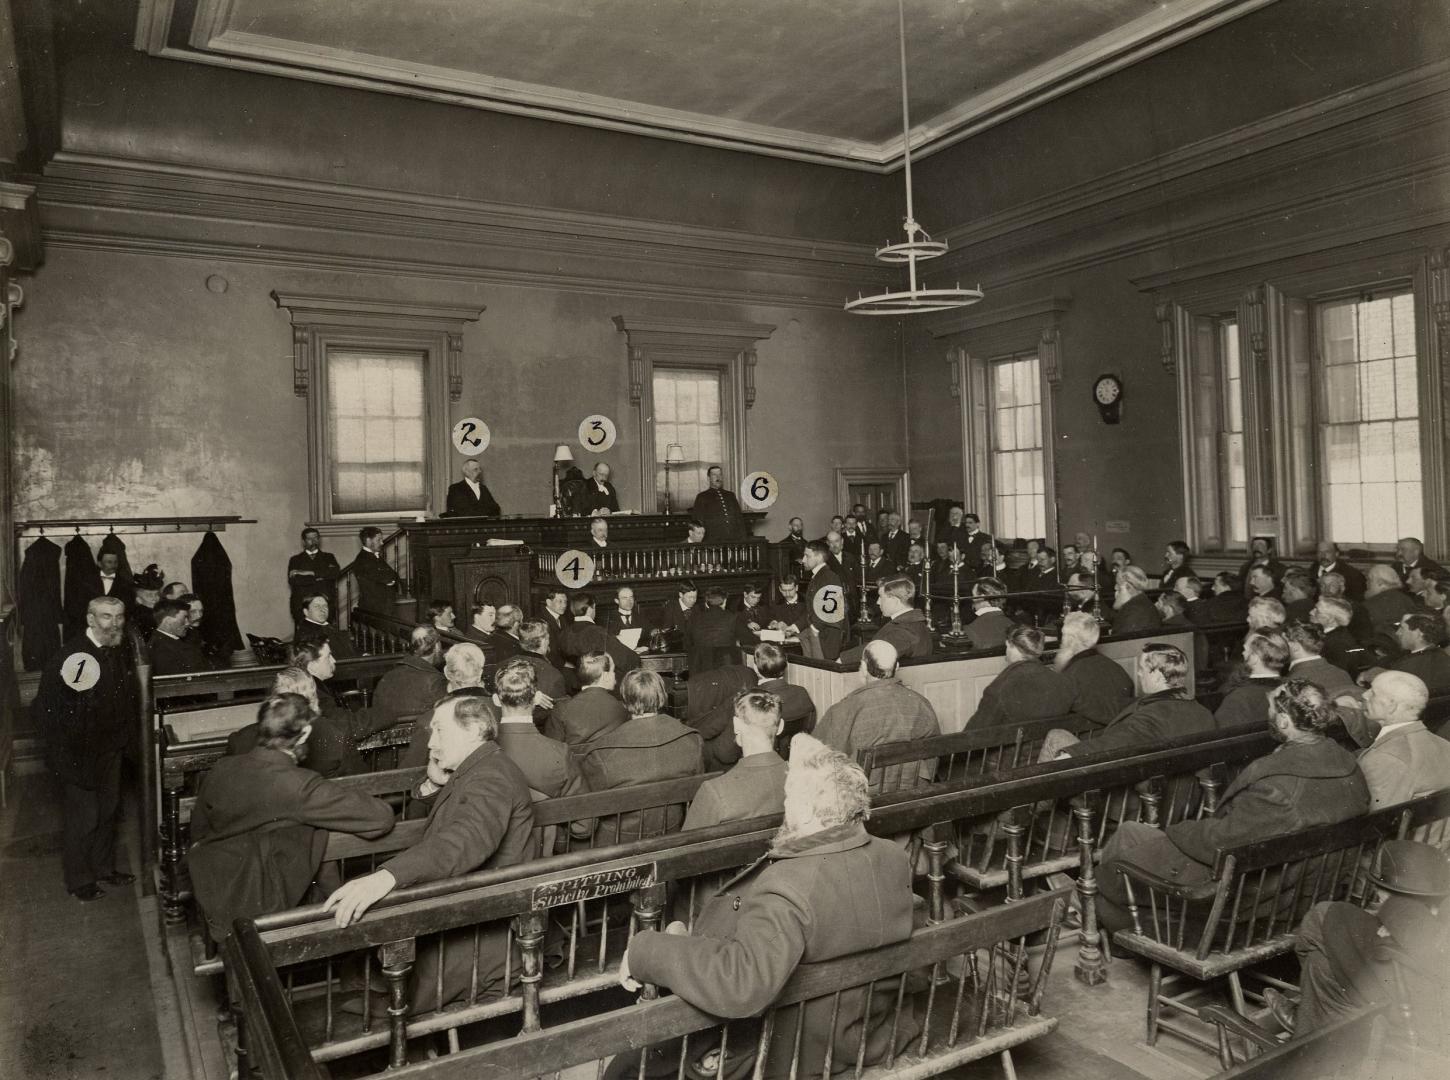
[505, 636]
[554, 616]
[989, 628]
[414, 683]
[904, 626]
[797, 710]
[599, 494]
[470, 496]
[795, 540]
[1266, 657]
[1133, 609]
[377, 581]
[894, 541]
[1419, 635]
[598, 534]
[752, 617]
[314, 626]
[171, 648]
[1026, 689]
[790, 609]
[260, 824]
[627, 615]
[113, 581]
[718, 509]
[311, 571]
[878, 566]
[710, 635]
[1409, 555]
[1176, 564]
[1261, 553]
[675, 616]
[1227, 604]
[534, 641]
[480, 817]
[1101, 688]
[593, 711]
[584, 635]
[825, 631]
[482, 622]
[1330, 562]
[85, 707]
[545, 762]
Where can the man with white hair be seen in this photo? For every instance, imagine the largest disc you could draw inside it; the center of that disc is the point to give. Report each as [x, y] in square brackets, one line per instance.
[1340, 646]
[463, 666]
[85, 707]
[470, 496]
[1101, 688]
[1385, 600]
[480, 817]
[825, 889]
[1406, 759]
[1133, 610]
[1265, 655]
[1265, 613]
[881, 710]
[1026, 689]
[414, 683]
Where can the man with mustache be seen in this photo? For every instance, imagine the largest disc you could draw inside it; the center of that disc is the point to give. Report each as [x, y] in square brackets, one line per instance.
[85, 705]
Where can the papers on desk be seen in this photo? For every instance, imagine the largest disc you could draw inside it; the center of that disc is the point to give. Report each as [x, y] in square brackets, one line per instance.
[777, 636]
[496, 542]
[630, 635]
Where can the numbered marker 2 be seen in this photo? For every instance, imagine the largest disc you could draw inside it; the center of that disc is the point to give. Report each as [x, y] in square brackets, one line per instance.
[574, 569]
[596, 433]
[471, 436]
[829, 604]
[759, 490]
[80, 671]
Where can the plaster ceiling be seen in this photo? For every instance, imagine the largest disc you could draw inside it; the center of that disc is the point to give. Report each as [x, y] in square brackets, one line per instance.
[814, 79]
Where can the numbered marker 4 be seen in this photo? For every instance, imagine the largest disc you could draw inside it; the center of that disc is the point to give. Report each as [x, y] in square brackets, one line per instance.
[574, 569]
[596, 433]
[829, 604]
[471, 436]
[759, 490]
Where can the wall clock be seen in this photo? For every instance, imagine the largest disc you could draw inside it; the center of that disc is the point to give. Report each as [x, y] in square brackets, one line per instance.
[1108, 396]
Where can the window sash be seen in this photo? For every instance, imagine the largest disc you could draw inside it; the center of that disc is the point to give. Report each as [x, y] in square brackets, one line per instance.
[377, 431]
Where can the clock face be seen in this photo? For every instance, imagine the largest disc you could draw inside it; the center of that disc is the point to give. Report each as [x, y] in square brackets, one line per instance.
[1107, 390]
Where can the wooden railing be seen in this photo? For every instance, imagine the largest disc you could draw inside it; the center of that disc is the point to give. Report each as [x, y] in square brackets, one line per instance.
[659, 562]
[397, 554]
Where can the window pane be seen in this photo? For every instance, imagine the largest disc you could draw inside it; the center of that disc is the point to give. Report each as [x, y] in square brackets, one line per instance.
[377, 432]
[1369, 435]
[1016, 471]
[688, 413]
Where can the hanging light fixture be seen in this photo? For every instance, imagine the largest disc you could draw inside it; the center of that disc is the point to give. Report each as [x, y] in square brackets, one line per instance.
[918, 245]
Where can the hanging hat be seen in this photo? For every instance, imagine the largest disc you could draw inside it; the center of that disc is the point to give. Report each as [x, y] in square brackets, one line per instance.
[1411, 868]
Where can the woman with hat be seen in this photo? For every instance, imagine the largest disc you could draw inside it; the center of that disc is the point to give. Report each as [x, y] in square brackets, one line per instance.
[1348, 954]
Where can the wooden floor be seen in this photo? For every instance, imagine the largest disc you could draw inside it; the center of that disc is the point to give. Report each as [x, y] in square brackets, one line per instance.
[87, 992]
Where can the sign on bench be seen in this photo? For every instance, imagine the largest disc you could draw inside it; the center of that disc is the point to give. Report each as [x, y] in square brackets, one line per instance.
[571, 890]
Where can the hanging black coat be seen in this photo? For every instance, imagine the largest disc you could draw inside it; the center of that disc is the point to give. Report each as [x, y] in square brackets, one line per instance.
[38, 592]
[211, 580]
[82, 582]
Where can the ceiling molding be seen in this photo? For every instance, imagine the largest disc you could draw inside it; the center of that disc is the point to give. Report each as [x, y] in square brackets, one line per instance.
[212, 39]
[1033, 309]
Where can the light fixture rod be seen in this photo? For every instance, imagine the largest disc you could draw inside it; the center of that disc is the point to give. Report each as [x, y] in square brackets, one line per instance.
[905, 123]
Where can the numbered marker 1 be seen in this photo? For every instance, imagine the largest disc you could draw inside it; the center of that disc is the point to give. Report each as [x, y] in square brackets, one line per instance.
[574, 569]
[596, 433]
[759, 490]
[471, 436]
[80, 671]
[829, 604]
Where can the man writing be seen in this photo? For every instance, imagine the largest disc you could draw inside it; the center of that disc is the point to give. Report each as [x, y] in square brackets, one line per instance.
[599, 495]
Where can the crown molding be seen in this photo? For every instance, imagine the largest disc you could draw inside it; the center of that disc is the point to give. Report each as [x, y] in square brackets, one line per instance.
[1035, 308]
[212, 39]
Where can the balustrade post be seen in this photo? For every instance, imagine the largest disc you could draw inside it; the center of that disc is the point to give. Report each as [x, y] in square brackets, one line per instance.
[1015, 831]
[529, 933]
[649, 907]
[173, 900]
[397, 959]
[1091, 968]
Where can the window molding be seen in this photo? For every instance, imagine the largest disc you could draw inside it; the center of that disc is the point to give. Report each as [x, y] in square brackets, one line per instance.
[725, 347]
[320, 323]
[1275, 306]
[973, 341]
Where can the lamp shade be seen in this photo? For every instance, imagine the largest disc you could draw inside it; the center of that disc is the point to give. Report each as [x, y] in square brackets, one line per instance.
[674, 454]
[563, 453]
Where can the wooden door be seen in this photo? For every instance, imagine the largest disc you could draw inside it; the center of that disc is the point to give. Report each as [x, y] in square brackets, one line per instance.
[875, 497]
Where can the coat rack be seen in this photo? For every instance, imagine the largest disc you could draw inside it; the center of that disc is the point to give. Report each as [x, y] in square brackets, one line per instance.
[155, 526]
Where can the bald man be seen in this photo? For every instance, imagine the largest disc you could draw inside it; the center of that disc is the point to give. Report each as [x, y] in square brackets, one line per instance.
[1385, 601]
[1406, 759]
[470, 496]
[881, 711]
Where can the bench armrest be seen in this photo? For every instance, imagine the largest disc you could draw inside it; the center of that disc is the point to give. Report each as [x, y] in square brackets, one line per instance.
[1203, 890]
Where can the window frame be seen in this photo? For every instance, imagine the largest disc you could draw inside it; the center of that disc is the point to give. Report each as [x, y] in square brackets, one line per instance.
[725, 347]
[323, 323]
[993, 431]
[1279, 352]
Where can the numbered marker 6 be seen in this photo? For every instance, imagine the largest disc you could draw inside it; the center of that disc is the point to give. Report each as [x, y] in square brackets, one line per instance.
[574, 569]
[596, 433]
[829, 604]
[471, 436]
[759, 490]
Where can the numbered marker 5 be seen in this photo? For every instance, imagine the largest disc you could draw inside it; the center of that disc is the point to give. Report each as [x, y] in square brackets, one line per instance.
[759, 490]
[471, 436]
[80, 671]
[574, 569]
[596, 433]
[829, 604]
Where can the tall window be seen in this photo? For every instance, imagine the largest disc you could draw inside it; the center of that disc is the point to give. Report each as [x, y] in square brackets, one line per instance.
[1019, 504]
[688, 413]
[377, 431]
[1369, 428]
[1232, 434]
